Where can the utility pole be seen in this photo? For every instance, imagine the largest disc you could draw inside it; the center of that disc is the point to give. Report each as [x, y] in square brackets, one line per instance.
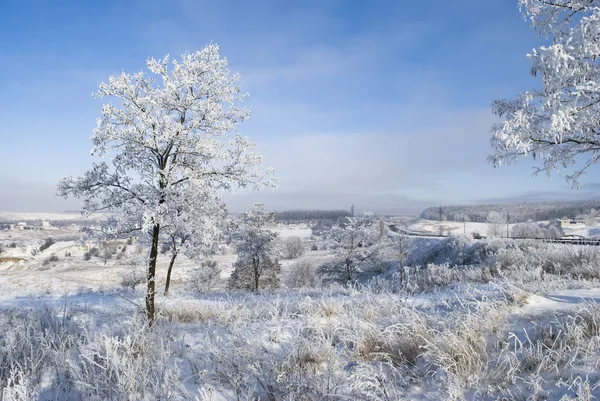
[441, 228]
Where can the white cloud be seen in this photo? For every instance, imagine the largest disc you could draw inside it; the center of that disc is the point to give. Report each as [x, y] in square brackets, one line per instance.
[386, 172]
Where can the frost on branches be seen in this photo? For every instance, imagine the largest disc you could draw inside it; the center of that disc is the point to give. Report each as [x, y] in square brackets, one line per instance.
[193, 228]
[558, 123]
[357, 242]
[172, 152]
[256, 266]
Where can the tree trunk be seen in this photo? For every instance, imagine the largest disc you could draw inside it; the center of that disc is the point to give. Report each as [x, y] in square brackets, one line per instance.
[171, 263]
[151, 275]
[349, 270]
[256, 275]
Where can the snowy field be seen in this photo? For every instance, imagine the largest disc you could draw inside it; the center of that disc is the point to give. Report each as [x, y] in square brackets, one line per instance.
[73, 327]
[452, 227]
[470, 228]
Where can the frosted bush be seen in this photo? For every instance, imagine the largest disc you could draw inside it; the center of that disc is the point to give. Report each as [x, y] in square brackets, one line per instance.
[206, 277]
[256, 266]
[574, 260]
[18, 387]
[379, 381]
[134, 276]
[135, 364]
[302, 273]
[293, 247]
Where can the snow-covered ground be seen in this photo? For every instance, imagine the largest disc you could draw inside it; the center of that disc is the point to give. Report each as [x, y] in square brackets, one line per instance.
[26, 270]
[291, 230]
[446, 334]
[29, 216]
[454, 227]
[578, 229]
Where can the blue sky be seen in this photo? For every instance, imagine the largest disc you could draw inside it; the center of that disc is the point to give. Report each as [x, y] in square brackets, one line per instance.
[381, 104]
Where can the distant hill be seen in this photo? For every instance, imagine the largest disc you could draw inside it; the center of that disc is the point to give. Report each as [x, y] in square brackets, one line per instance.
[309, 215]
[519, 212]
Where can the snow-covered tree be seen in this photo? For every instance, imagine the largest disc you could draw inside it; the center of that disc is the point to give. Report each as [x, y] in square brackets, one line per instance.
[293, 247]
[557, 123]
[463, 218]
[591, 218]
[528, 230]
[495, 224]
[170, 136]
[402, 246]
[256, 266]
[356, 243]
[193, 228]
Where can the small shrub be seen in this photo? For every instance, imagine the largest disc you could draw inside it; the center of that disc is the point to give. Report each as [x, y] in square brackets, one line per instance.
[329, 272]
[293, 247]
[224, 249]
[91, 253]
[244, 276]
[106, 255]
[574, 260]
[302, 273]
[51, 259]
[188, 313]
[108, 249]
[13, 245]
[133, 277]
[47, 244]
[314, 247]
[459, 351]
[206, 277]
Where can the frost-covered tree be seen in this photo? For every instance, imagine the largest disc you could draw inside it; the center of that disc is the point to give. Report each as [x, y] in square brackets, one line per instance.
[528, 230]
[591, 218]
[402, 245]
[463, 218]
[557, 123]
[170, 136]
[193, 228]
[495, 224]
[293, 247]
[256, 266]
[356, 243]
[521, 212]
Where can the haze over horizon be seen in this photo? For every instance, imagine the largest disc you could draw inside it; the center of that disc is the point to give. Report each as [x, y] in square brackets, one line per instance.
[376, 104]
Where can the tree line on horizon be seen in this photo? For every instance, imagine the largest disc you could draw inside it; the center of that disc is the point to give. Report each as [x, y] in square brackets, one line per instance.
[521, 212]
[308, 215]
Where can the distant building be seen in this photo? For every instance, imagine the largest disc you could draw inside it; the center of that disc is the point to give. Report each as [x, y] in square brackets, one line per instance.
[21, 225]
[46, 224]
[569, 222]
